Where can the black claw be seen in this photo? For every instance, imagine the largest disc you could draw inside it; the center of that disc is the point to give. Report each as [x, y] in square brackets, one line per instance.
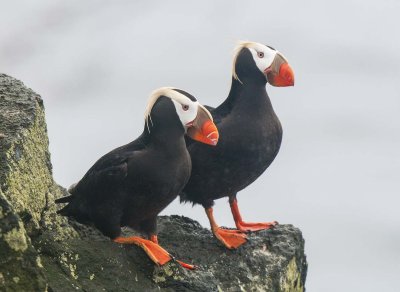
[172, 257]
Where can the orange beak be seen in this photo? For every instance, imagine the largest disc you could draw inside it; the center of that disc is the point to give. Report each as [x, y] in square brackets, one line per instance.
[280, 73]
[203, 129]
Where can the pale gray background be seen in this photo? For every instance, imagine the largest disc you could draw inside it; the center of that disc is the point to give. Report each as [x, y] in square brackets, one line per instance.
[337, 174]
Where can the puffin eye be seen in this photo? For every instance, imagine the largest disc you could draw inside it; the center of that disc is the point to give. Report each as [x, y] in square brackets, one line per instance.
[185, 107]
[260, 54]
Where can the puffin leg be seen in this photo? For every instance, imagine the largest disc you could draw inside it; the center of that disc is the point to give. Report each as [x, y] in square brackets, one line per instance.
[230, 238]
[247, 226]
[155, 252]
[154, 239]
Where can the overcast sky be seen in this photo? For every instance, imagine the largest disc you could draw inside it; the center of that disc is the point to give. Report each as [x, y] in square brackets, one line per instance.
[337, 174]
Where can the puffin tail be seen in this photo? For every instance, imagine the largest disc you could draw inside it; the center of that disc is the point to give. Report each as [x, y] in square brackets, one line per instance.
[75, 208]
[65, 199]
[184, 198]
[66, 210]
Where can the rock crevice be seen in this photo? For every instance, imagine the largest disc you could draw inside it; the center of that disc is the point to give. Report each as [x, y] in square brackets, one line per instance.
[41, 251]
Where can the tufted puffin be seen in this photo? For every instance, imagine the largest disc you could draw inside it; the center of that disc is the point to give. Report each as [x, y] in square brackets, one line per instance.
[250, 138]
[132, 184]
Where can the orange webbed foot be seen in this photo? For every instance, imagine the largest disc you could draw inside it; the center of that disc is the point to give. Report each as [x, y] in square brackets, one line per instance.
[155, 252]
[154, 238]
[230, 238]
[247, 227]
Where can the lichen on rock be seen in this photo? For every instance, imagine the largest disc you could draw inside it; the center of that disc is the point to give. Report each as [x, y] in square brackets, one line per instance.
[25, 169]
[18, 258]
[291, 280]
[16, 238]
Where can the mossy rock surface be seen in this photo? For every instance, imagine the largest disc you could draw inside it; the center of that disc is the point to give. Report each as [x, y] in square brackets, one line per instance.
[41, 251]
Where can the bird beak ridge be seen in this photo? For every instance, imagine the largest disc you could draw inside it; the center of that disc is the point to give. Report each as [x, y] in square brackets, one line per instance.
[202, 128]
[280, 74]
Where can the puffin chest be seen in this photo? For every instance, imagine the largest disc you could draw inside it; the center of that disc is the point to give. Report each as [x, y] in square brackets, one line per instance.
[157, 183]
[161, 175]
[253, 145]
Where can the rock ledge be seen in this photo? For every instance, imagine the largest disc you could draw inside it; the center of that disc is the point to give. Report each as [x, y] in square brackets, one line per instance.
[40, 251]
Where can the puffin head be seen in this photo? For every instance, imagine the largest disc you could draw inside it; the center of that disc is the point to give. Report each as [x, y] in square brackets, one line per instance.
[257, 61]
[196, 120]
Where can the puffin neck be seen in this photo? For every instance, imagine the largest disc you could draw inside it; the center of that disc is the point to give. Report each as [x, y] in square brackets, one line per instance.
[163, 134]
[247, 94]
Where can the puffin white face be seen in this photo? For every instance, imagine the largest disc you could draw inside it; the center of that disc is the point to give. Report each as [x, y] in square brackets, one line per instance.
[263, 56]
[186, 110]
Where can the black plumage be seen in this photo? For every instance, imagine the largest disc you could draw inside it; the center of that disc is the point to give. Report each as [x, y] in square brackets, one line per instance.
[132, 184]
[250, 139]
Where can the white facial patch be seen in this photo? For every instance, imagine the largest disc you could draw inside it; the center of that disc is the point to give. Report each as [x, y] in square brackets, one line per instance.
[187, 111]
[263, 56]
[185, 107]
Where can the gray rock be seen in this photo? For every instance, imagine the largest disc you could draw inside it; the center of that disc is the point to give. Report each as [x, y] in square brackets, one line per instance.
[41, 251]
[20, 264]
[25, 180]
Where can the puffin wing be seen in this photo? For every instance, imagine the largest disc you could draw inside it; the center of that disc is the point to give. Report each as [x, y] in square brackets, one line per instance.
[113, 171]
[102, 179]
[108, 172]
